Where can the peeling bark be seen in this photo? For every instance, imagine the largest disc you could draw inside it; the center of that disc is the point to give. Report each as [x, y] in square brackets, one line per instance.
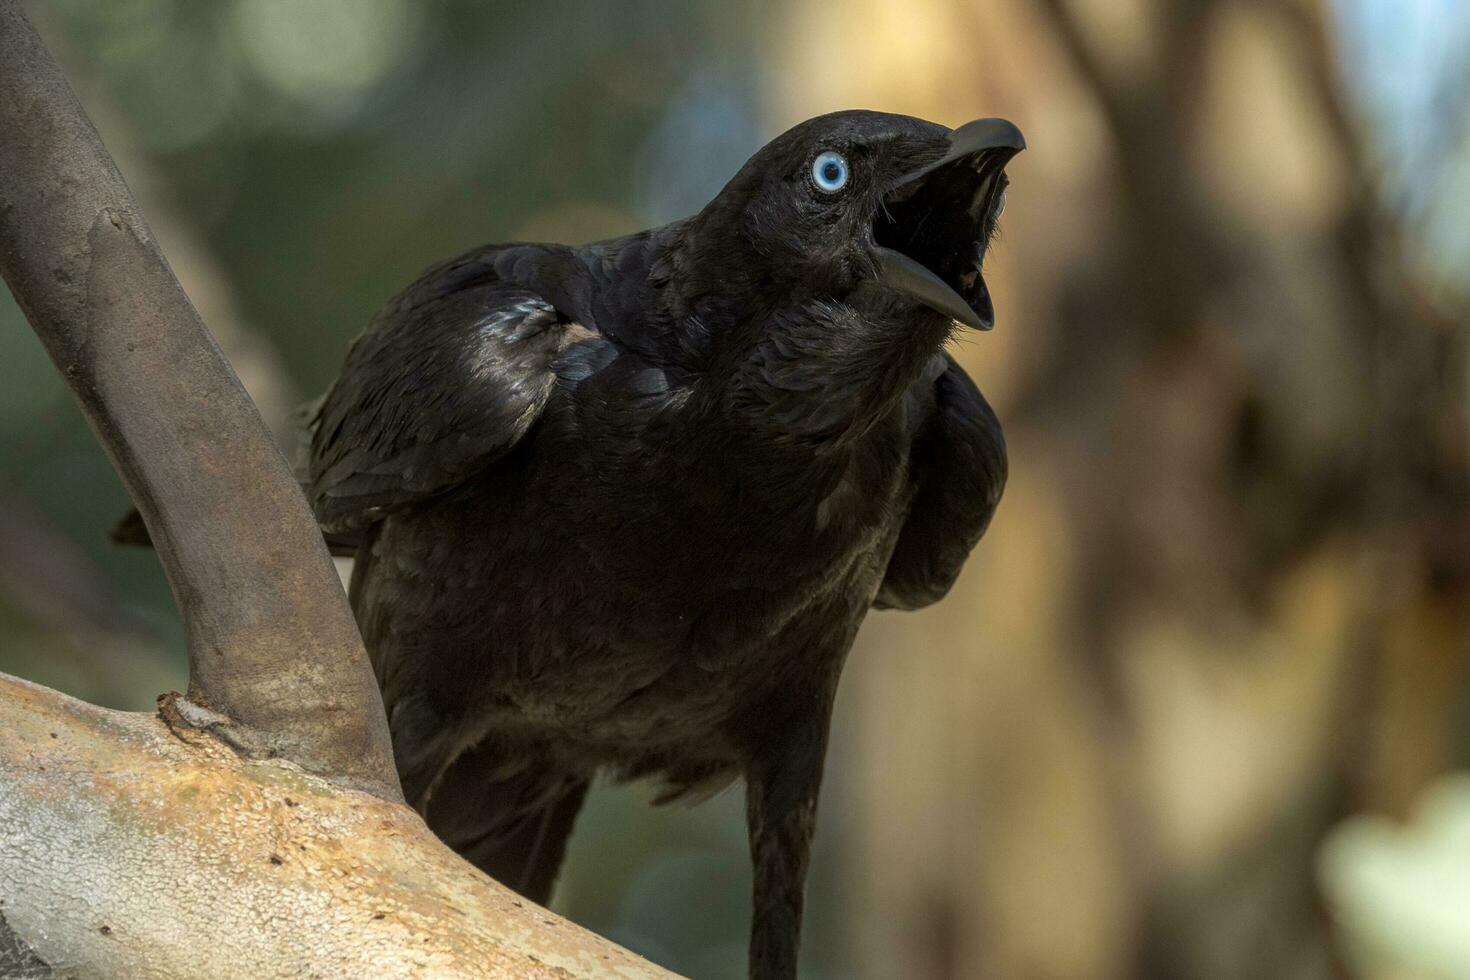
[17, 960]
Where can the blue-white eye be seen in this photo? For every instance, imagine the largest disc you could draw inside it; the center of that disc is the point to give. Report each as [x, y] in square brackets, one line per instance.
[829, 170]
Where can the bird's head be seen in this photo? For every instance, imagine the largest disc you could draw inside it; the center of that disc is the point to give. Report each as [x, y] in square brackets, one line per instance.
[858, 198]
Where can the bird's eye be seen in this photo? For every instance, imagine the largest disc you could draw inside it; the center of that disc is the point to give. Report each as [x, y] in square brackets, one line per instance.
[829, 171]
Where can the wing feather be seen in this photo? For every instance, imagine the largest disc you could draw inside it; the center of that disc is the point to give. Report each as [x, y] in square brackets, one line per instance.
[959, 465]
[447, 379]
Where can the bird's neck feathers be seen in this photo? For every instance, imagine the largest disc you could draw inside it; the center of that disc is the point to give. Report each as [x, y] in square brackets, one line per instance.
[784, 353]
[823, 372]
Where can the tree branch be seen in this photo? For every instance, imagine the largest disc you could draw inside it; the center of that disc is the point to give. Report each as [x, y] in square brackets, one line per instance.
[272, 644]
[128, 849]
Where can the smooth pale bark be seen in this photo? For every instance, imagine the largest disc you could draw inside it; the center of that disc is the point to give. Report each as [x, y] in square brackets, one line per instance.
[132, 848]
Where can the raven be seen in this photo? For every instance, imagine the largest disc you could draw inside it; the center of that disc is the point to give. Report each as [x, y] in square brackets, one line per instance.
[620, 508]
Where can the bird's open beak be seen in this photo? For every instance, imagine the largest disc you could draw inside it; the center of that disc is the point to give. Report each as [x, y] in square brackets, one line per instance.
[937, 218]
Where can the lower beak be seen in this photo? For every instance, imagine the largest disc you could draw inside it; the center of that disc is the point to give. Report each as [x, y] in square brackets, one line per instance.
[898, 271]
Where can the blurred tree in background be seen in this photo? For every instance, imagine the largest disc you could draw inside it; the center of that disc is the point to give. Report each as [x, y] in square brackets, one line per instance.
[1226, 602]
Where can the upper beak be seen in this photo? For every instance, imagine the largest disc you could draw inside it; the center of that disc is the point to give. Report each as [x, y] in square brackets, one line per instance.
[973, 137]
[900, 272]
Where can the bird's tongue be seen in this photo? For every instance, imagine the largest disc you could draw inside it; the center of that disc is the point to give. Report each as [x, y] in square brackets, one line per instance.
[980, 301]
[971, 286]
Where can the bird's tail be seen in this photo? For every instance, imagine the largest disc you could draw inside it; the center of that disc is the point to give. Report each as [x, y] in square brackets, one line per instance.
[512, 827]
[131, 532]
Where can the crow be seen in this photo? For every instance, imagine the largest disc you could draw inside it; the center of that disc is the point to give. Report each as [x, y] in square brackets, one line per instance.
[620, 508]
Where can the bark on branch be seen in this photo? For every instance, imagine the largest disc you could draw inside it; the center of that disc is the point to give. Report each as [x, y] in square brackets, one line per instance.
[273, 649]
[130, 850]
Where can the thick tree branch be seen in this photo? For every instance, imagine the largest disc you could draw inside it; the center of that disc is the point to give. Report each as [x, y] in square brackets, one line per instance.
[131, 850]
[272, 644]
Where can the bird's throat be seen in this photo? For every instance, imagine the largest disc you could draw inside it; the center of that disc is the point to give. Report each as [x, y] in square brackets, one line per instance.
[823, 373]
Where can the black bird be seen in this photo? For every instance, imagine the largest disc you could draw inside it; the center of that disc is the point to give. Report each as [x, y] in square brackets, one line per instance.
[620, 508]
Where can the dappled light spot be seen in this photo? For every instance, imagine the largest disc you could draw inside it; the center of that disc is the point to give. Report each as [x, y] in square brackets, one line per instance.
[326, 54]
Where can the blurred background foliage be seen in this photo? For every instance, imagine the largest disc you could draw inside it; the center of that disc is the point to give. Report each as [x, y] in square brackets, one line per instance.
[1222, 616]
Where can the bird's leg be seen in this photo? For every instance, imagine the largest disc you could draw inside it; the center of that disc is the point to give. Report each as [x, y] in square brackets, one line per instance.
[780, 846]
[782, 782]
